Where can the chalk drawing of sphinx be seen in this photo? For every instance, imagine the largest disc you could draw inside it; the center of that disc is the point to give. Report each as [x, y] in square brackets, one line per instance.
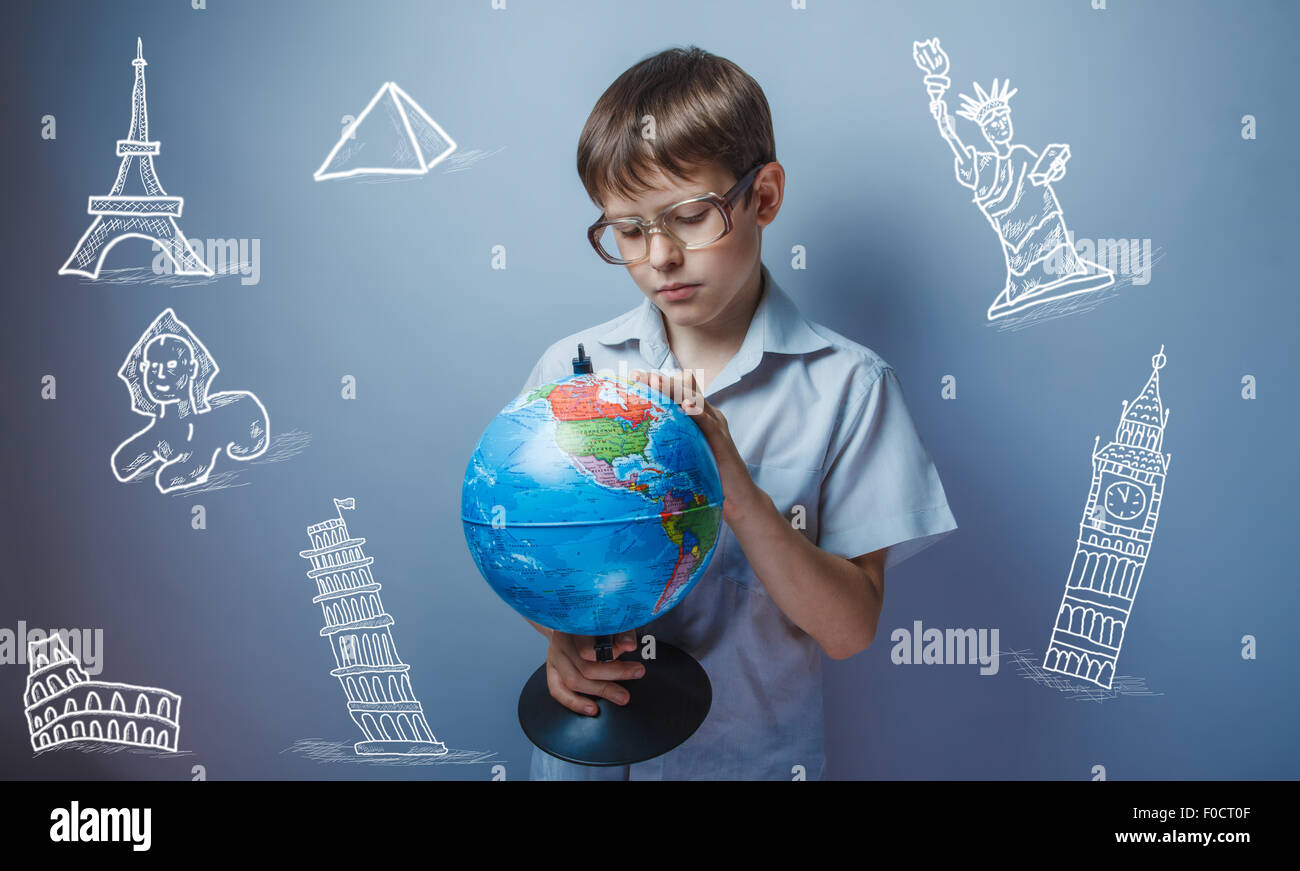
[169, 373]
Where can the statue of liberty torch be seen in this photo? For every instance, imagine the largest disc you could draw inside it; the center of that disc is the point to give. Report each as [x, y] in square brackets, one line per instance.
[1012, 186]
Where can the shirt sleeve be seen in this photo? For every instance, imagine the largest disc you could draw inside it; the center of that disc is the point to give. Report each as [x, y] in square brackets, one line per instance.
[881, 488]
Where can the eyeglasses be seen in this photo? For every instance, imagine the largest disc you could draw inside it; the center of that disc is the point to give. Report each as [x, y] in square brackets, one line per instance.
[692, 224]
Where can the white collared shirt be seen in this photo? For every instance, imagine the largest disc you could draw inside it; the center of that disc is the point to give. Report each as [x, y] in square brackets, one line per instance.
[822, 424]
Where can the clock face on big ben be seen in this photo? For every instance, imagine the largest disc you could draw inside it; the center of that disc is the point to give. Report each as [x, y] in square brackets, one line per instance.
[1125, 500]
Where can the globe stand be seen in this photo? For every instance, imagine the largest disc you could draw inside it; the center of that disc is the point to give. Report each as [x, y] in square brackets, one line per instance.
[665, 708]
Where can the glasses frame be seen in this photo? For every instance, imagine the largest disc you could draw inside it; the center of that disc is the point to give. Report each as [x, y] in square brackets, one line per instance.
[725, 203]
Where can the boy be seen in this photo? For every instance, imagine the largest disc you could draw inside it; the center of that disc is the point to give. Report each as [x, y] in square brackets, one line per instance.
[825, 479]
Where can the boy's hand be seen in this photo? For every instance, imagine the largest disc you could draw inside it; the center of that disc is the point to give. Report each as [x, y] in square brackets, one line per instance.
[739, 491]
[571, 668]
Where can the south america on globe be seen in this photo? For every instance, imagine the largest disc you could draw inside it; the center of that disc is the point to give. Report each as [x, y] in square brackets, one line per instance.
[592, 505]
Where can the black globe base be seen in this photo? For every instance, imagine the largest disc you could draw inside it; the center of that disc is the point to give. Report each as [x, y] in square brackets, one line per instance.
[665, 707]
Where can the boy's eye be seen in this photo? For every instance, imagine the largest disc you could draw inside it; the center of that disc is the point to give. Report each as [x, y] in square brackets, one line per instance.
[691, 218]
[628, 231]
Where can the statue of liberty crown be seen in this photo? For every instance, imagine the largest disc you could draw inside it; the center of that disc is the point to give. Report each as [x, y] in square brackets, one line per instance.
[988, 103]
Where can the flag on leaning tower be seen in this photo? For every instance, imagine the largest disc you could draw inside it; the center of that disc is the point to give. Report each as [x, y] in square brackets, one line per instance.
[1119, 522]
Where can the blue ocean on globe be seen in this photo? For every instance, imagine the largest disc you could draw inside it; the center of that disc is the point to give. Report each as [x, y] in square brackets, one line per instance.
[592, 505]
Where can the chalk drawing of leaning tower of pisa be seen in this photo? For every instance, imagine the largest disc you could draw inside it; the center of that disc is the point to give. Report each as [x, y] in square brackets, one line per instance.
[376, 681]
[1119, 522]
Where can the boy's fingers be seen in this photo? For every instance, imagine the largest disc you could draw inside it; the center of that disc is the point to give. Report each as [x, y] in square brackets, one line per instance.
[592, 679]
[607, 671]
[590, 667]
[692, 397]
[683, 389]
[556, 685]
[584, 646]
[606, 689]
[562, 683]
[572, 681]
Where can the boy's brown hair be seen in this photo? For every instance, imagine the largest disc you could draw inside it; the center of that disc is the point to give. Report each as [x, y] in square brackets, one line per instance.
[705, 110]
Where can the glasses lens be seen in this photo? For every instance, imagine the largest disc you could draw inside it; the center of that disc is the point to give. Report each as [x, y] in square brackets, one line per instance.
[696, 223]
[622, 241]
[693, 224]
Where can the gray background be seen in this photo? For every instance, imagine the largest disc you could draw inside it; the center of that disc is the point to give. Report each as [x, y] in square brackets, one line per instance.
[392, 283]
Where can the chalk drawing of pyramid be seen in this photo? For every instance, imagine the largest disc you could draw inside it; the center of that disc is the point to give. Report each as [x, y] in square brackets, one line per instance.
[391, 136]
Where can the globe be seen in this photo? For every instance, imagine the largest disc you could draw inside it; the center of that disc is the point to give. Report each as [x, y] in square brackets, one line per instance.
[591, 504]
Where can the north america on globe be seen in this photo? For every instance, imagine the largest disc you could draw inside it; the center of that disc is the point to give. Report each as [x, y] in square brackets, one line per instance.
[592, 505]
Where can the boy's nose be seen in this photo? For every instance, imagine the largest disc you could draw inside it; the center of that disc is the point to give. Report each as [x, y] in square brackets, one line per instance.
[663, 250]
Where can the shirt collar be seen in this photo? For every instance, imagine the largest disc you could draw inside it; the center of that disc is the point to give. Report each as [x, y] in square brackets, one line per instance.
[777, 327]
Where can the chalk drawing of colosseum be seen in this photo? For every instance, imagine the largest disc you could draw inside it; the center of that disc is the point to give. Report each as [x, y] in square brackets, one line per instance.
[62, 705]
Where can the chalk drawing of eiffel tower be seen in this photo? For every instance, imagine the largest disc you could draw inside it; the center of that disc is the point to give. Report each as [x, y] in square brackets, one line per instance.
[150, 214]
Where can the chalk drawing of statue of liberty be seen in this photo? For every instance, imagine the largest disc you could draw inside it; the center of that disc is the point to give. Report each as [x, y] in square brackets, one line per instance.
[1012, 186]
